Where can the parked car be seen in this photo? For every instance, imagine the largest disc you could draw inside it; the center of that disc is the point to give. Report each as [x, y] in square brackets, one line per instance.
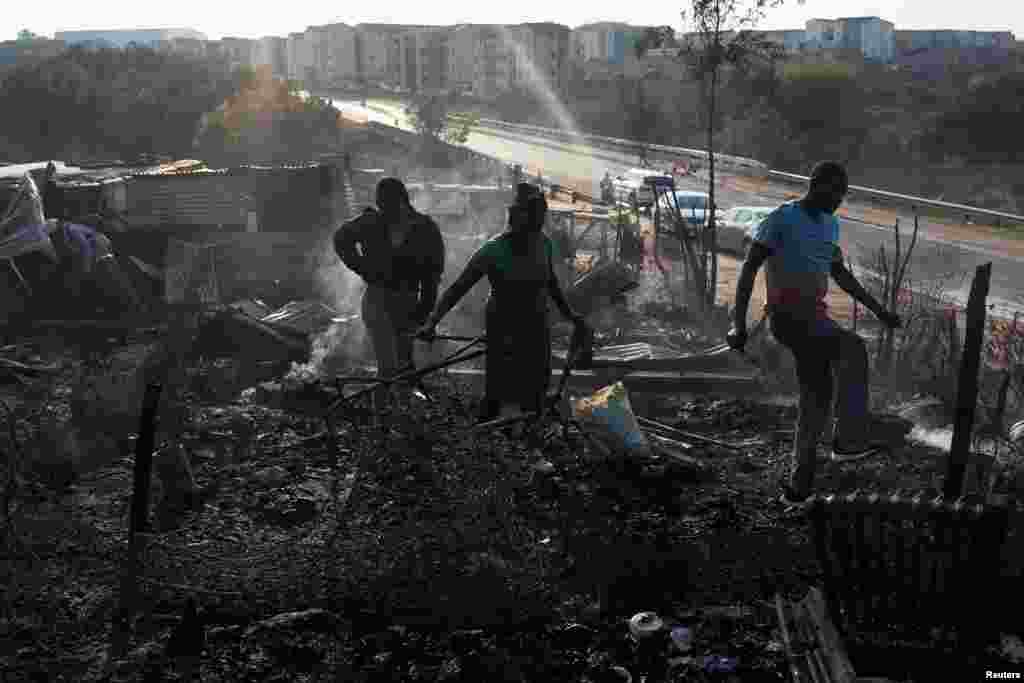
[736, 225]
[692, 206]
[635, 180]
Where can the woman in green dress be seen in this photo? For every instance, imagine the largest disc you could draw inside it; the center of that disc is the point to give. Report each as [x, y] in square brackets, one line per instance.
[519, 264]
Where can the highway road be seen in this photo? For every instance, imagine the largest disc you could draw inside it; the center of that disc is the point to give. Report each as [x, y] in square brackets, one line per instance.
[934, 258]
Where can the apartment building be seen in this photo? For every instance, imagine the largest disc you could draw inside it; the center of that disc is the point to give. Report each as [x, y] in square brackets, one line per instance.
[791, 40]
[463, 48]
[189, 47]
[272, 51]
[542, 56]
[432, 55]
[872, 36]
[375, 54]
[121, 38]
[333, 48]
[238, 52]
[907, 41]
[603, 41]
[299, 56]
[494, 63]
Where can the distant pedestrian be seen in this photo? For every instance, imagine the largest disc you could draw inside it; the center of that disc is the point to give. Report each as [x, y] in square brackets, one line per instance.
[400, 254]
[799, 243]
[607, 189]
[519, 264]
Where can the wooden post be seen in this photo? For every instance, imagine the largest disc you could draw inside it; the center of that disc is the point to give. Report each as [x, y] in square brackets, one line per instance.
[138, 523]
[967, 383]
[144, 459]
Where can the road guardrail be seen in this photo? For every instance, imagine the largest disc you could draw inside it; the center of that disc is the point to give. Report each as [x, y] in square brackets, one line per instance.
[907, 199]
[738, 164]
[741, 165]
[747, 166]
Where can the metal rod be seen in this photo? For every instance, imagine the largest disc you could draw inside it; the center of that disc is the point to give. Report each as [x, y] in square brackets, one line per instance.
[685, 435]
[410, 375]
[787, 641]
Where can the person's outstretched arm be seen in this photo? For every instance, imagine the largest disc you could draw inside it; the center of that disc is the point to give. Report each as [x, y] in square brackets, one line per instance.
[757, 254]
[433, 269]
[470, 275]
[849, 284]
[768, 237]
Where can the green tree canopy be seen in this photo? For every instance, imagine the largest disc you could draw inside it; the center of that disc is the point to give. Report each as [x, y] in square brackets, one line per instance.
[985, 126]
[822, 107]
[108, 103]
[26, 36]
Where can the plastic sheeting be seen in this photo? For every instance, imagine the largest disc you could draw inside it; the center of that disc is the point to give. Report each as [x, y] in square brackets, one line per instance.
[27, 239]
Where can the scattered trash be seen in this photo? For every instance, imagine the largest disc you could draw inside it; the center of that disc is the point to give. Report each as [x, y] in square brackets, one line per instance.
[719, 664]
[544, 467]
[645, 625]
[609, 413]
[623, 674]
[254, 308]
[275, 475]
[682, 638]
[1013, 648]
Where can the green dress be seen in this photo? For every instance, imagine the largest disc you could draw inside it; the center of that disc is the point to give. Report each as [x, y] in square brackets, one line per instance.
[518, 363]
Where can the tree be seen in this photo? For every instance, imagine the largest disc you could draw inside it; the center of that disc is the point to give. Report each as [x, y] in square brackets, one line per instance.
[723, 39]
[267, 120]
[26, 36]
[432, 116]
[654, 37]
[983, 126]
[824, 111]
[108, 103]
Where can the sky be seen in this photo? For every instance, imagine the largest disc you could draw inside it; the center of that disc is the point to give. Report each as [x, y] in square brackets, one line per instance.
[218, 19]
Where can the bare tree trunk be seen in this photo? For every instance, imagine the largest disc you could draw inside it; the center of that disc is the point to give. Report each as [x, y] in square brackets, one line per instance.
[712, 285]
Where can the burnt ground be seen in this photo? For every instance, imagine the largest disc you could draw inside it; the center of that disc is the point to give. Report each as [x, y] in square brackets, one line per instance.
[453, 557]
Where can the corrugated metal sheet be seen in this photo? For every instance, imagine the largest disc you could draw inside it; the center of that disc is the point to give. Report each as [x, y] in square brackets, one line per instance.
[285, 198]
[199, 200]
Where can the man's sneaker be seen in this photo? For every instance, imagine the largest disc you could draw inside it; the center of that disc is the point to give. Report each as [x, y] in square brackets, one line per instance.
[882, 433]
[860, 448]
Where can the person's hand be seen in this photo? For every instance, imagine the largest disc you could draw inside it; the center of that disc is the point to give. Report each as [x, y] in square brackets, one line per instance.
[736, 338]
[890, 319]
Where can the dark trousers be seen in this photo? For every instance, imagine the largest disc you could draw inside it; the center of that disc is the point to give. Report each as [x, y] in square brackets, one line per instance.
[821, 348]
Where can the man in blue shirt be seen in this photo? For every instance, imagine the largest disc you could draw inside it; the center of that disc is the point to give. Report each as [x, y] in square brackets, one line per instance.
[799, 245]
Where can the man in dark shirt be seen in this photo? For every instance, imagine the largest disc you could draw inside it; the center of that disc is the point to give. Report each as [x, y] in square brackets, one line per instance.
[400, 254]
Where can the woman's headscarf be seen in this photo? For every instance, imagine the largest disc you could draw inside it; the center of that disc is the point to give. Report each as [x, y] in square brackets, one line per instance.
[528, 213]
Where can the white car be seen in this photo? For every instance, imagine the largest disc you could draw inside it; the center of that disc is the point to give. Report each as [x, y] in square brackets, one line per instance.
[635, 180]
[692, 206]
[736, 225]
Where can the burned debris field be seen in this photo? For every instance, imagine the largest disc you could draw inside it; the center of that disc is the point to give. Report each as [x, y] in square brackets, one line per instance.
[292, 529]
[416, 550]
